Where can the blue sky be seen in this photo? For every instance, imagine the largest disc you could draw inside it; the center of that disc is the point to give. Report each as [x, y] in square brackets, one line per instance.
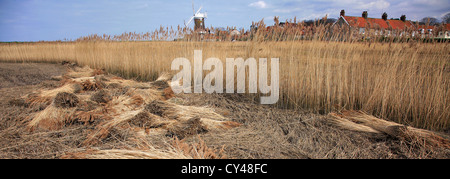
[34, 20]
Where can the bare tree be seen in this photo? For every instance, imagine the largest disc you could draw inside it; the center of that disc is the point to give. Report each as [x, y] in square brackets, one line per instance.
[429, 20]
[446, 18]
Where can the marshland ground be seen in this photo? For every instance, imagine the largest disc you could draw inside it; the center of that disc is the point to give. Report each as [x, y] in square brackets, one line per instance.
[263, 131]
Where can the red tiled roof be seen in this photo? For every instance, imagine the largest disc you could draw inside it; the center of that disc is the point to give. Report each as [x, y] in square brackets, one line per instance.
[377, 23]
[400, 25]
[355, 21]
[425, 27]
[369, 22]
[447, 26]
[383, 24]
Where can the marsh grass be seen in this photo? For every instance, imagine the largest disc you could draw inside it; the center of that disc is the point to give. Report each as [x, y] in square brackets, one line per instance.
[404, 81]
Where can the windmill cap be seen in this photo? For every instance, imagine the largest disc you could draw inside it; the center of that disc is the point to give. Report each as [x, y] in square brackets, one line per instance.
[200, 15]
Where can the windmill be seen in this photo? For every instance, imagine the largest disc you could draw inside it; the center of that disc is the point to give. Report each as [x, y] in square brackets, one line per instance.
[199, 19]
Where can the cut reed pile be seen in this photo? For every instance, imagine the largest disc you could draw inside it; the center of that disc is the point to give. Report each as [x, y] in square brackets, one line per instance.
[116, 105]
[126, 119]
[362, 122]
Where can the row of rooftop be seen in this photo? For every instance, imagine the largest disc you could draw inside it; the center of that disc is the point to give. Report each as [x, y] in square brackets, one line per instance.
[382, 23]
[363, 24]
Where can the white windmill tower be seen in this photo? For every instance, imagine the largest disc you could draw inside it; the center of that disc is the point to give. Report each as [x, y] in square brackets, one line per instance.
[199, 19]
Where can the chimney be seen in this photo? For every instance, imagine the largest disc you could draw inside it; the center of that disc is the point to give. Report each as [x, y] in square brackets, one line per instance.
[384, 16]
[364, 14]
[342, 12]
[403, 18]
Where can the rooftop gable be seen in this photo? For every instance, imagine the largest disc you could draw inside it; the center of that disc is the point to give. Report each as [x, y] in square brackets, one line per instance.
[355, 21]
[366, 22]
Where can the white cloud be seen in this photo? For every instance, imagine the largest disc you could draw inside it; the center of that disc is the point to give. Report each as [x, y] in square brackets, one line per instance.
[258, 4]
[379, 4]
[285, 10]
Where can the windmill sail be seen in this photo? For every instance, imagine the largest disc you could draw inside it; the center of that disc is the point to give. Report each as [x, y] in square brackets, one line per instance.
[199, 19]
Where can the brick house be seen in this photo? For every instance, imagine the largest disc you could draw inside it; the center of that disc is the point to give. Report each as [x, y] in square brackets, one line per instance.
[377, 26]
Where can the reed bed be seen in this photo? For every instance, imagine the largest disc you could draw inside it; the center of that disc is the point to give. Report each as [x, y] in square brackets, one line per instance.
[405, 81]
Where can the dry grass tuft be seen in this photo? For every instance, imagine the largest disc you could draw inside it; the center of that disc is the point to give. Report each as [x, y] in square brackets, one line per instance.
[36, 101]
[66, 100]
[158, 107]
[126, 154]
[168, 93]
[90, 113]
[47, 96]
[90, 86]
[78, 72]
[230, 124]
[360, 121]
[177, 149]
[96, 72]
[160, 84]
[143, 119]
[101, 96]
[198, 150]
[51, 118]
[341, 122]
[137, 100]
[187, 128]
[89, 117]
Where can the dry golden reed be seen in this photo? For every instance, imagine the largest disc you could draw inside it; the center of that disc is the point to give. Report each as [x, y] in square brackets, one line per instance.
[403, 82]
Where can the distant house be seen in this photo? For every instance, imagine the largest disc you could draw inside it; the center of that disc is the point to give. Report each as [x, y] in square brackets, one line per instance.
[378, 26]
[235, 32]
[445, 34]
[425, 30]
[438, 32]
